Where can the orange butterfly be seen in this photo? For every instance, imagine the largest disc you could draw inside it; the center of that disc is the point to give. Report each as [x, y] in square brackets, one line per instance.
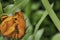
[13, 26]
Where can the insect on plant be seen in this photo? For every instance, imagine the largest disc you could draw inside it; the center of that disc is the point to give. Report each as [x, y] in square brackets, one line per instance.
[13, 26]
[29, 19]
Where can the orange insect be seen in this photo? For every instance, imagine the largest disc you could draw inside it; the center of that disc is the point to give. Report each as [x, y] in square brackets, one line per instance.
[13, 26]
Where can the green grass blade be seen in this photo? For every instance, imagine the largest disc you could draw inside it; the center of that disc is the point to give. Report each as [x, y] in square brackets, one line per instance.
[1, 11]
[39, 34]
[52, 14]
[41, 20]
[28, 9]
[30, 37]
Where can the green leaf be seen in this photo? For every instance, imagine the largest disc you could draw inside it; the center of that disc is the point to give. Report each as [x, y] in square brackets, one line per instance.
[41, 20]
[56, 37]
[35, 6]
[28, 9]
[8, 7]
[52, 14]
[36, 16]
[1, 38]
[39, 34]
[17, 1]
[17, 5]
[1, 11]
[30, 37]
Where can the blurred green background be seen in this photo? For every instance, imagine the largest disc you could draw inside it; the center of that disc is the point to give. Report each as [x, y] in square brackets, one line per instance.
[33, 12]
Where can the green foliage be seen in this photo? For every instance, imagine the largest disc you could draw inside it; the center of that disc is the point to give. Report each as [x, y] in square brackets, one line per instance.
[1, 11]
[35, 6]
[52, 14]
[56, 37]
[42, 19]
[36, 16]
[39, 34]
[1, 38]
